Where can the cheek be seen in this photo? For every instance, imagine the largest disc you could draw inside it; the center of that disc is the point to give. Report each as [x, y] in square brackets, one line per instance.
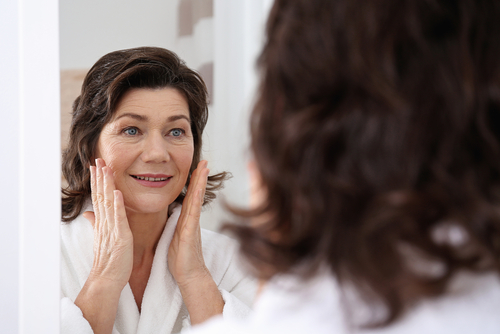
[114, 155]
[185, 159]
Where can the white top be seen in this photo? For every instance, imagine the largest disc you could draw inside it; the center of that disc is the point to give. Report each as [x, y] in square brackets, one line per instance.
[162, 309]
[289, 305]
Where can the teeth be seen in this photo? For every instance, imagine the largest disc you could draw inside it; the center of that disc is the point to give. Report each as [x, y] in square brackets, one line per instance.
[154, 179]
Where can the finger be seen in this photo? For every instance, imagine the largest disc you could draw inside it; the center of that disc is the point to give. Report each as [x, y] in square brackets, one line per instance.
[121, 221]
[186, 203]
[93, 192]
[193, 182]
[200, 184]
[193, 179]
[201, 188]
[195, 210]
[109, 201]
[89, 215]
[203, 169]
[93, 185]
[99, 207]
[203, 179]
[198, 175]
[194, 198]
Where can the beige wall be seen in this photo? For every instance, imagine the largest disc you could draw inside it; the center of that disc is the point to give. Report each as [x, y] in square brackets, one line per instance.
[71, 83]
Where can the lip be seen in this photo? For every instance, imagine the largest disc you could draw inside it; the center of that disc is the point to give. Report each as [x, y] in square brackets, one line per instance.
[152, 184]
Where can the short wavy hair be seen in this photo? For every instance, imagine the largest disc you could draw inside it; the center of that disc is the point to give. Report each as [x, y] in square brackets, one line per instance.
[104, 85]
[376, 128]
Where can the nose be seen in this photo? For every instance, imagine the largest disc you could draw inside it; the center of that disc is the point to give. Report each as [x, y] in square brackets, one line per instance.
[155, 149]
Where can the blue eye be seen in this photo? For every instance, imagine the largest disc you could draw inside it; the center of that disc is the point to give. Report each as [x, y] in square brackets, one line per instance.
[131, 131]
[176, 132]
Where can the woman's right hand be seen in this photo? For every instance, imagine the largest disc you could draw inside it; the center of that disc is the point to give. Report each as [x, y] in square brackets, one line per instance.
[113, 252]
[113, 241]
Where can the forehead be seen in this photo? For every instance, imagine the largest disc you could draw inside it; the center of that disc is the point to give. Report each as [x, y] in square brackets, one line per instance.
[152, 102]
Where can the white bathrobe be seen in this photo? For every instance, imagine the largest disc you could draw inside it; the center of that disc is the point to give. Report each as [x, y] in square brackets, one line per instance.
[289, 305]
[163, 310]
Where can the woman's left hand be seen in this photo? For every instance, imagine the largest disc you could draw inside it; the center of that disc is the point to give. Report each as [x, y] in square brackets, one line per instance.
[185, 254]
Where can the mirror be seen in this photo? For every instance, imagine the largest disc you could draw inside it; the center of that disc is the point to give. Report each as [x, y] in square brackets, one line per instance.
[90, 29]
[220, 39]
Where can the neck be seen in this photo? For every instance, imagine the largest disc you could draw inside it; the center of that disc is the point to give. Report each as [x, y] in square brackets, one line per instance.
[146, 229]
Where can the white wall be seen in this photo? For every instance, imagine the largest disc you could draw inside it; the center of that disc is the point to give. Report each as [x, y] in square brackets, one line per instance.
[29, 188]
[9, 151]
[238, 38]
[92, 28]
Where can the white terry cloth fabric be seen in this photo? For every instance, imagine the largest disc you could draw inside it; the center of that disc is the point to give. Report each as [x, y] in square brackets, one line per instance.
[288, 305]
[162, 309]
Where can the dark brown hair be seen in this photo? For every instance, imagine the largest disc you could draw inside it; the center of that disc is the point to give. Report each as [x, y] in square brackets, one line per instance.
[105, 83]
[377, 128]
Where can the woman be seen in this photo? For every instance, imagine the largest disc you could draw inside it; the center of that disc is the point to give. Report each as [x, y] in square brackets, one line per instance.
[139, 263]
[376, 136]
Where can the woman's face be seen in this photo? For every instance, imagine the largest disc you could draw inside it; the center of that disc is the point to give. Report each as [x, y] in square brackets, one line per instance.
[149, 146]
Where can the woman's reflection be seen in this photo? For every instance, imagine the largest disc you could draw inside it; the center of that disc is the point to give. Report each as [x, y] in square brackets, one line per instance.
[133, 258]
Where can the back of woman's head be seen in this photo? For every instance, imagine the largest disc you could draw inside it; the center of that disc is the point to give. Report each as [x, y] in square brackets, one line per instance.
[377, 137]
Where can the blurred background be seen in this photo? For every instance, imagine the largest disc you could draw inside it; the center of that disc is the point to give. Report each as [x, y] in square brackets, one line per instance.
[220, 39]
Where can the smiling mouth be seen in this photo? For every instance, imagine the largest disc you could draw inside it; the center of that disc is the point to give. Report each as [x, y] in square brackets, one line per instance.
[151, 179]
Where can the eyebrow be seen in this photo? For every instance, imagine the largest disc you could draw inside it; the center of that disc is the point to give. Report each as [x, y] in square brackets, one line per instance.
[145, 118]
